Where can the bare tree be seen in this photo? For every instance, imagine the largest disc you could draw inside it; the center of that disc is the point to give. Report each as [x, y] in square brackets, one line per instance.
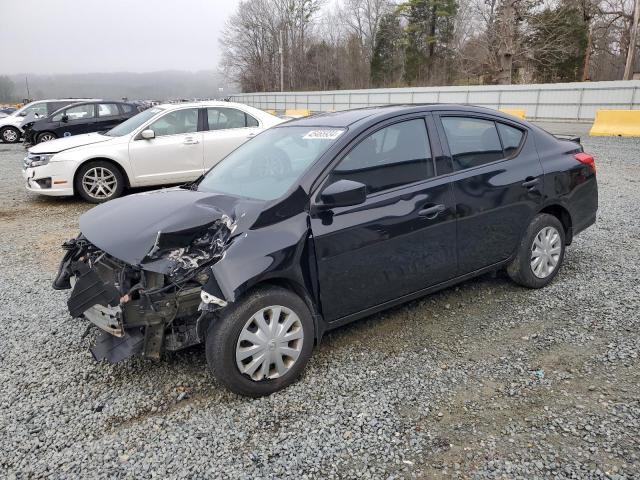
[631, 51]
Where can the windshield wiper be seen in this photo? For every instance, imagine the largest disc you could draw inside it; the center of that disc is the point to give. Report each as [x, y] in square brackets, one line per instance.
[193, 185]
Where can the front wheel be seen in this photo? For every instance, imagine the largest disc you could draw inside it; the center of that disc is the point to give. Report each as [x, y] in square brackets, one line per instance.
[10, 135]
[99, 181]
[45, 137]
[262, 343]
[540, 253]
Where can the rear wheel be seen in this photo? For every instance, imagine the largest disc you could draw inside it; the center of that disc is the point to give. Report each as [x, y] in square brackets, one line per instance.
[99, 181]
[45, 137]
[261, 344]
[10, 134]
[540, 253]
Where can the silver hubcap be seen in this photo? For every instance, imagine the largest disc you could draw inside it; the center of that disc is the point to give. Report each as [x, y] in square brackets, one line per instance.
[46, 137]
[10, 135]
[545, 252]
[99, 182]
[269, 343]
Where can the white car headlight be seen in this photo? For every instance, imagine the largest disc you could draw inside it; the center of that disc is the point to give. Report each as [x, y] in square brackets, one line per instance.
[33, 160]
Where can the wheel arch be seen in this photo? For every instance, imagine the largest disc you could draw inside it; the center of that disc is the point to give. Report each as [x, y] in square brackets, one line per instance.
[564, 215]
[115, 163]
[298, 289]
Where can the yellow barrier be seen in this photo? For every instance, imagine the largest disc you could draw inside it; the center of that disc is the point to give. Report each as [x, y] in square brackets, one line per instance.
[272, 112]
[297, 113]
[616, 123]
[516, 113]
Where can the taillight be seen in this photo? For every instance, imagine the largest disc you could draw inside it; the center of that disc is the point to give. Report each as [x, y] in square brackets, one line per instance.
[587, 160]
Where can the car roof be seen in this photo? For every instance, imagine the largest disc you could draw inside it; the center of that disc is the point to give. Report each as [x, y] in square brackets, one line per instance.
[205, 103]
[66, 100]
[83, 102]
[347, 118]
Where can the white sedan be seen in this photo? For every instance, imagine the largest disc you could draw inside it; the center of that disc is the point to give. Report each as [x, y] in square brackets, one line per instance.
[167, 144]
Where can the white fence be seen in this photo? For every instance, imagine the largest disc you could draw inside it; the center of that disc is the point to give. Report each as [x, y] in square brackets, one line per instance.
[555, 101]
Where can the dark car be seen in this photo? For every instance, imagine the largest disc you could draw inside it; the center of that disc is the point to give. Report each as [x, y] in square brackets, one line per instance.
[85, 117]
[321, 221]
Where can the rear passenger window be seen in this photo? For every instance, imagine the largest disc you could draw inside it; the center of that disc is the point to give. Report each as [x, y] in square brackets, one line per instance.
[225, 118]
[108, 110]
[251, 122]
[511, 138]
[472, 141]
[395, 155]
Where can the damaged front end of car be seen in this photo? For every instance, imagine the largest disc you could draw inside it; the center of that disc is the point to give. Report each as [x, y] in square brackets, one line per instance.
[152, 305]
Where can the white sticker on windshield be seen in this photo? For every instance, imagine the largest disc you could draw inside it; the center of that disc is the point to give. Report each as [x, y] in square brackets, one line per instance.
[323, 134]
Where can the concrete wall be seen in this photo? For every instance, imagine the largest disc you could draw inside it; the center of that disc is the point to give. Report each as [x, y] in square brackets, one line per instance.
[555, 101]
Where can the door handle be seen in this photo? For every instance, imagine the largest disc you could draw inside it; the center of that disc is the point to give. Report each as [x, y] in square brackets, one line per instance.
[530, 182]
[432, 212]
[251, 135]
[190, 141]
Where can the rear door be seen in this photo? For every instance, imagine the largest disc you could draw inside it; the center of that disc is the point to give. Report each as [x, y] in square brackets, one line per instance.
[174, 155]
[497, 185]
[108, 117]
[402, 239]
[226, 129]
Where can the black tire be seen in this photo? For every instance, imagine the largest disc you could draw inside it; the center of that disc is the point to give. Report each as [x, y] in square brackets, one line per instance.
[40, 137]
[224, 332]
[520, 269]
[108, 166]
[10, 135]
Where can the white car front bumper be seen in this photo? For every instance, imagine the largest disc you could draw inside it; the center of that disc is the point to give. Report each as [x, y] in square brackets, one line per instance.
[54, 179]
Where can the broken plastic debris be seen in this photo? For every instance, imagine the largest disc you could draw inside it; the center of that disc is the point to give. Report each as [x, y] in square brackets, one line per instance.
[208, 298]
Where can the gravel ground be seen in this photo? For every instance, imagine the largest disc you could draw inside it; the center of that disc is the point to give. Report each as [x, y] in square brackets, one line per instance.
[484, 380]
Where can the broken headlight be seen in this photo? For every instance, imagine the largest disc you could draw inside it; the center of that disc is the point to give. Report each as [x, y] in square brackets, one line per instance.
[38, 160]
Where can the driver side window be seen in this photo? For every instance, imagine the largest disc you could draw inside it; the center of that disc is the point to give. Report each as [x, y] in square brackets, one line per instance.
[393, 156]
[80, 112]
[176, 122]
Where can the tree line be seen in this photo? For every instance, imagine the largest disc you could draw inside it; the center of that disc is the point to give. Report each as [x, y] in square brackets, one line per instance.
[161, 85]
[315, 45]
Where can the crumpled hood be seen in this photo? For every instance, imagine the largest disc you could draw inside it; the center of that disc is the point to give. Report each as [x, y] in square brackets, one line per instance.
[127, 228]
[65, 143]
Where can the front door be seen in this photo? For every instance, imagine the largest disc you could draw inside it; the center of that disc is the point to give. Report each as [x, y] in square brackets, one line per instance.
[496, 182]
[402, 239]
[174, 155]
[76, 120]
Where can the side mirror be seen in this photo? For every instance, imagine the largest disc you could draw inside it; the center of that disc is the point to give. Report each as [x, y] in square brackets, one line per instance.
[22, 114]
[343, 193]
[64, 119]
[148, 134]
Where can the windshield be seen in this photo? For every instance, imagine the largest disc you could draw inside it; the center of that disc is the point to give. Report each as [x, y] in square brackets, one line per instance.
[266, 167]
[39, 108]
[134, 122]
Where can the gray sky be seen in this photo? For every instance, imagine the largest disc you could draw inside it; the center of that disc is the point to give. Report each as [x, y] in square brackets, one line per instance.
[73, 36]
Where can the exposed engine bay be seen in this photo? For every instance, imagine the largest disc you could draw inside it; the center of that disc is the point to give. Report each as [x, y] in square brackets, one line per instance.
[155, 305]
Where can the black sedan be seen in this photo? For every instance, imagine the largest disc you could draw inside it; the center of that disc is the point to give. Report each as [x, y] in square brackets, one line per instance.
[321, 221]
[85, 117]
